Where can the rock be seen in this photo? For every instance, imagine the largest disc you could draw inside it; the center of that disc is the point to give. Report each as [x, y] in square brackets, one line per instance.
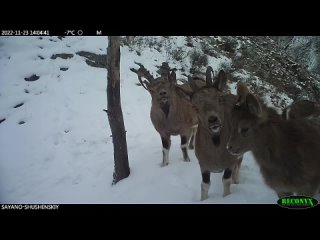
[94, 60]
[2, 120]
[64, 69]
[62, 55]
[18, 105]
[32, 78]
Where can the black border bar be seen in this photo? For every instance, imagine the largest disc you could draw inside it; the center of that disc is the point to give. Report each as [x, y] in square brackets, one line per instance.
[167, 210]
[134, 28]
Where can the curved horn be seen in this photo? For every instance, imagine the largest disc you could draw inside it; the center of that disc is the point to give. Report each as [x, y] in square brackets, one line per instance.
[142, 72]
[209, 76]
[165, 70]
[242, 92]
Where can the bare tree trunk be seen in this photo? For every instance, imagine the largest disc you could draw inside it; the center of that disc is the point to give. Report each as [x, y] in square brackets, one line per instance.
[129, 39]
[121, 163]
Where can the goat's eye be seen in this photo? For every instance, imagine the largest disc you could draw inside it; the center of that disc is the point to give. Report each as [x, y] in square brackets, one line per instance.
[243, 131]
[221, 100]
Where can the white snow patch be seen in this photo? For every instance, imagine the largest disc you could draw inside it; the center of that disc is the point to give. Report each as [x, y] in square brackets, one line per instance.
[63, 153]
[242, 74]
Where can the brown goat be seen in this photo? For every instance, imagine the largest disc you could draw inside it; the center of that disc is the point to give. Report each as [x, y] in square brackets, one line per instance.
[170, 114]
[213, 109]
[287, 151]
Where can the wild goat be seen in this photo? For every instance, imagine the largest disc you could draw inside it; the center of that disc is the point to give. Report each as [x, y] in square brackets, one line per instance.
[170, 114]
[301, 109]
[287, 151]
[213, 109]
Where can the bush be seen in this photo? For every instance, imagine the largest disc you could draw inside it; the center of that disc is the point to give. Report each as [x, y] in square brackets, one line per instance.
[177, 54]
[225, 66]
[198, 59]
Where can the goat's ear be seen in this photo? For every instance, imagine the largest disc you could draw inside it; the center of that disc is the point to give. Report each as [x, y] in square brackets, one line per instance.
[221, 100]
[221, 81]
[253, 105]
[242, 92]
[286, 113]
[173, 76]
[184, 94]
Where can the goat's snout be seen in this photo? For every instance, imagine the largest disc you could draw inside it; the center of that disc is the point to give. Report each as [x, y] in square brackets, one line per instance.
[214, 124]
[163, 93]
[232, 150]
[213, 119]
[163, 96]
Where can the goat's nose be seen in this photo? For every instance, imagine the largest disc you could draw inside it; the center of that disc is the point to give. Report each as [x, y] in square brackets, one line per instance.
[229, 147]
[162, 93]
[212, 119]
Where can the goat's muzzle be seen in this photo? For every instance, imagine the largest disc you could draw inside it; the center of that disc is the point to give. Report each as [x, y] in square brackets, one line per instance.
[164, 100]
[163, 97]
[214, 125]
[233, 151]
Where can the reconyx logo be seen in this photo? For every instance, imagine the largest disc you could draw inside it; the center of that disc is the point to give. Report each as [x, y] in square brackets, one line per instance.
[297, 202]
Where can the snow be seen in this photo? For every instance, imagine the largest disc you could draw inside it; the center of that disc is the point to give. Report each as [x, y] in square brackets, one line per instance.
[242, 74]
[63, 153]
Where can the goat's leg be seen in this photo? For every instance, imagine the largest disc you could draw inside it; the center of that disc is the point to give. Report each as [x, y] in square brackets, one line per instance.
[166, 143]
[226, 180]
[284, 194]
[309, 191]
[184, 141]
[307, 194]
[235, 172]
[205, 185]
[192, 139]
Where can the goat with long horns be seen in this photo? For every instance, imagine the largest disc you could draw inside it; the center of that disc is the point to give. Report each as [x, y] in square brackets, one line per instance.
[170, 114]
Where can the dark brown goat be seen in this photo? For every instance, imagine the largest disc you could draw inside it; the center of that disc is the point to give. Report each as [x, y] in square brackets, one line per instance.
[287, 151]
[213, 108]
[303, 109]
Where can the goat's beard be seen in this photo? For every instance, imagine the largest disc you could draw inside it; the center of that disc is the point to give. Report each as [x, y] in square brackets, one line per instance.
[215, 130]
[165, 107]
[216, 139]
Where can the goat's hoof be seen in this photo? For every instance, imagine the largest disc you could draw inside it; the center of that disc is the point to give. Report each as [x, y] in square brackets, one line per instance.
[235, 181]
[164, 164]
[203, 198]
[226, 194]
[187, 160]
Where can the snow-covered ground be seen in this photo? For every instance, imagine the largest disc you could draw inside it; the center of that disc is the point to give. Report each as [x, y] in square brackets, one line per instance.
[63, 151]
